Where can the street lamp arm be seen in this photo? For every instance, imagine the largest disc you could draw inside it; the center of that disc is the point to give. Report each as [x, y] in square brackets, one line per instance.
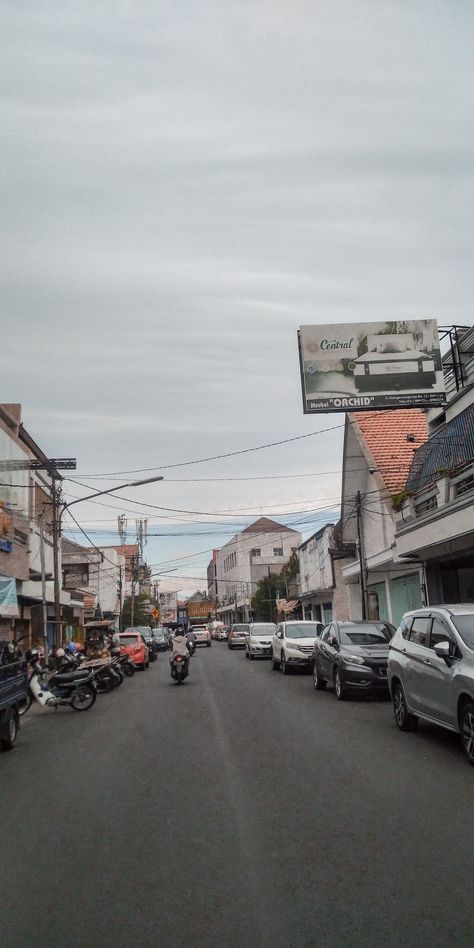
[99, 493]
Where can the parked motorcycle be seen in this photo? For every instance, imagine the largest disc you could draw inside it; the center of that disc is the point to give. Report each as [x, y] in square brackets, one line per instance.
[179, 668]
[75, 688]
[127, 665]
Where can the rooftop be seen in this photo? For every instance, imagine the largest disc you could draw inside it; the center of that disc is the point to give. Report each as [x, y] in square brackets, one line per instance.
[385, 434]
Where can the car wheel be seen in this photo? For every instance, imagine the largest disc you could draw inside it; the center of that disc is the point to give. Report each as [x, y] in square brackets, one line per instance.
[209, 644]
[339, 687]
[318, 682]
[230, 647]
[251, 657]
[11, 726]
[275, 664]
[467, 730]
[246, 654]
[403, 719]
[284, 664]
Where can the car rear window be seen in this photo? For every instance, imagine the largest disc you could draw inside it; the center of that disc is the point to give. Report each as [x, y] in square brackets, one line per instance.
[129, 639]
[239, 628]
[263, 628]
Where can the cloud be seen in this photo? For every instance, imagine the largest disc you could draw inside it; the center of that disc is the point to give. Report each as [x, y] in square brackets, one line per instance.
[184, 184]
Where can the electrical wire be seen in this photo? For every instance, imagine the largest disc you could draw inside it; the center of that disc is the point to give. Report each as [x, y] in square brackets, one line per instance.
[218, 457]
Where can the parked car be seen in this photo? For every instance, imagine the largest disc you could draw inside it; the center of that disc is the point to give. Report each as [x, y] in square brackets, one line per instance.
[292, 644]
[237, 635]
[258, 642]
[133, 644]
[147, 633]
[352, 656]
[161, 638]
[431, 670]
[203, 635]
[13, 695]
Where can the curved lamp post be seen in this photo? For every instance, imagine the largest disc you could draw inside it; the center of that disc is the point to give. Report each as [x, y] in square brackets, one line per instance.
[58, 511]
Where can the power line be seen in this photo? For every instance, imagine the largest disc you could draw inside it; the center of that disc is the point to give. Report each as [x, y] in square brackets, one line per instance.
[218, 457]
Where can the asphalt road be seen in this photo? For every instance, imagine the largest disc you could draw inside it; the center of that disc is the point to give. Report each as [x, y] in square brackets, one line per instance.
[240, 810]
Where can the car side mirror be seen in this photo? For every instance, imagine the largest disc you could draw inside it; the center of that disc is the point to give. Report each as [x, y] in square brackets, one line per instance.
[333, 642]
[443, 650]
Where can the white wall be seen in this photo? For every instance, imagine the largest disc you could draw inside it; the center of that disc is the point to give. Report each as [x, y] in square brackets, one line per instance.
[104, 579]
[315, 563]
[232, 581]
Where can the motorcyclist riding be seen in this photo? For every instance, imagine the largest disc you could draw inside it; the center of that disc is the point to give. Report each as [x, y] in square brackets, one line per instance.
[191, 637]
[180, 646]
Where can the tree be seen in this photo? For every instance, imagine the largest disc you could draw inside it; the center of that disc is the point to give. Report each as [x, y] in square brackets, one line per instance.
[269, 589]
[140, 617]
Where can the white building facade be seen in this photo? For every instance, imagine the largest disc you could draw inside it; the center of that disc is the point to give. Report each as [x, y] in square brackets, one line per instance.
[317, 576]
[262, 549]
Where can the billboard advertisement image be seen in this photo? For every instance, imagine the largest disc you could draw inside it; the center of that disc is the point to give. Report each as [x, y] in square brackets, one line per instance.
[357, 366]
[168, 607]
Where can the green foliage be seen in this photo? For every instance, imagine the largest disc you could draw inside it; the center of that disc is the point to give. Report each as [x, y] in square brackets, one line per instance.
[399, 499]
[140, 617]
[268, 591]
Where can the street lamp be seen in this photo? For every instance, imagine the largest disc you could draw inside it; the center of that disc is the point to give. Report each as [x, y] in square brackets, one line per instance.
[58, 511]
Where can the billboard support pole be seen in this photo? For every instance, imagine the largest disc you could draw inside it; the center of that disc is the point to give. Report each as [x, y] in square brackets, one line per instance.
[363, 590]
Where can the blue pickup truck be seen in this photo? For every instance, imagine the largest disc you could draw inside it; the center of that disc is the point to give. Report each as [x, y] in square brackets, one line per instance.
[13, 693]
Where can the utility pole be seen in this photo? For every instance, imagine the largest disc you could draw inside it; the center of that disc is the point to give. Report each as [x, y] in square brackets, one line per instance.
[120, 598]
[58, 632]
[363, 590]
[44, 605]
[132, 610]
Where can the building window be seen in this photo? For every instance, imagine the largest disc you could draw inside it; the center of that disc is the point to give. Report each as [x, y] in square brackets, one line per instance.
[255, 552]
[327, 610]
[277, 551]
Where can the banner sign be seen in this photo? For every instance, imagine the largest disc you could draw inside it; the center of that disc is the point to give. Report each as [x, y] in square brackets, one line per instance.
[168, 607]
[371, 365]
[199, 610]
[8, 597]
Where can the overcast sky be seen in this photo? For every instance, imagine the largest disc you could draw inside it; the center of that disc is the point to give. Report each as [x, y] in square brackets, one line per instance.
[186, 183]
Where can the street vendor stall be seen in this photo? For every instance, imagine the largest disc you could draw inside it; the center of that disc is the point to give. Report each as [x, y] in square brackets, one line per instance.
[96, 637]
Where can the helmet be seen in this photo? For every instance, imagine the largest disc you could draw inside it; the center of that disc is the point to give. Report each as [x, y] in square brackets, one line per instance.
[60, 653]
[71, 648]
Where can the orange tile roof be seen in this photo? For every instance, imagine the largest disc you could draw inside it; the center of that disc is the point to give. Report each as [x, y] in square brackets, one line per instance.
[385, 434]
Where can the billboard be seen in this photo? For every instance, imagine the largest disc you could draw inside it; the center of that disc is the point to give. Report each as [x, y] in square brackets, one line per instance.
[199, 610]
[357, 366]
[168, 607]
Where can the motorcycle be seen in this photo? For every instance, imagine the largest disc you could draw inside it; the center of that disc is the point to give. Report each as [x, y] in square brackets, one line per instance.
[75, 689]
[126, 665]
[179, 669]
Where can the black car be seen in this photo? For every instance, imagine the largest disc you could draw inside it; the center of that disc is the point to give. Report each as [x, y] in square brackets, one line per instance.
[352, 656]
[161, 639]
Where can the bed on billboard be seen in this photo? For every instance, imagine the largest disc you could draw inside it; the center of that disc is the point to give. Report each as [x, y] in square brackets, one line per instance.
[349, 367]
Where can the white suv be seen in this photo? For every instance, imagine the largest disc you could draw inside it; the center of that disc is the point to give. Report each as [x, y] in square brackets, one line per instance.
[292, 644]
[203, 635]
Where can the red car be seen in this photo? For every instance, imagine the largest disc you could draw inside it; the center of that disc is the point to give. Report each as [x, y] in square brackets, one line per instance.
[133, 644]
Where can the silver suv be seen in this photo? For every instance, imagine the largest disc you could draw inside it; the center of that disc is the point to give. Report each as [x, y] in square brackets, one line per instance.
[431, 670]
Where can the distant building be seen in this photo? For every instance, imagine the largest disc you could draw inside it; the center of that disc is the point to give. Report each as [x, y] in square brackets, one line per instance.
[212, 577]
[317, 575]
[258, 551]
